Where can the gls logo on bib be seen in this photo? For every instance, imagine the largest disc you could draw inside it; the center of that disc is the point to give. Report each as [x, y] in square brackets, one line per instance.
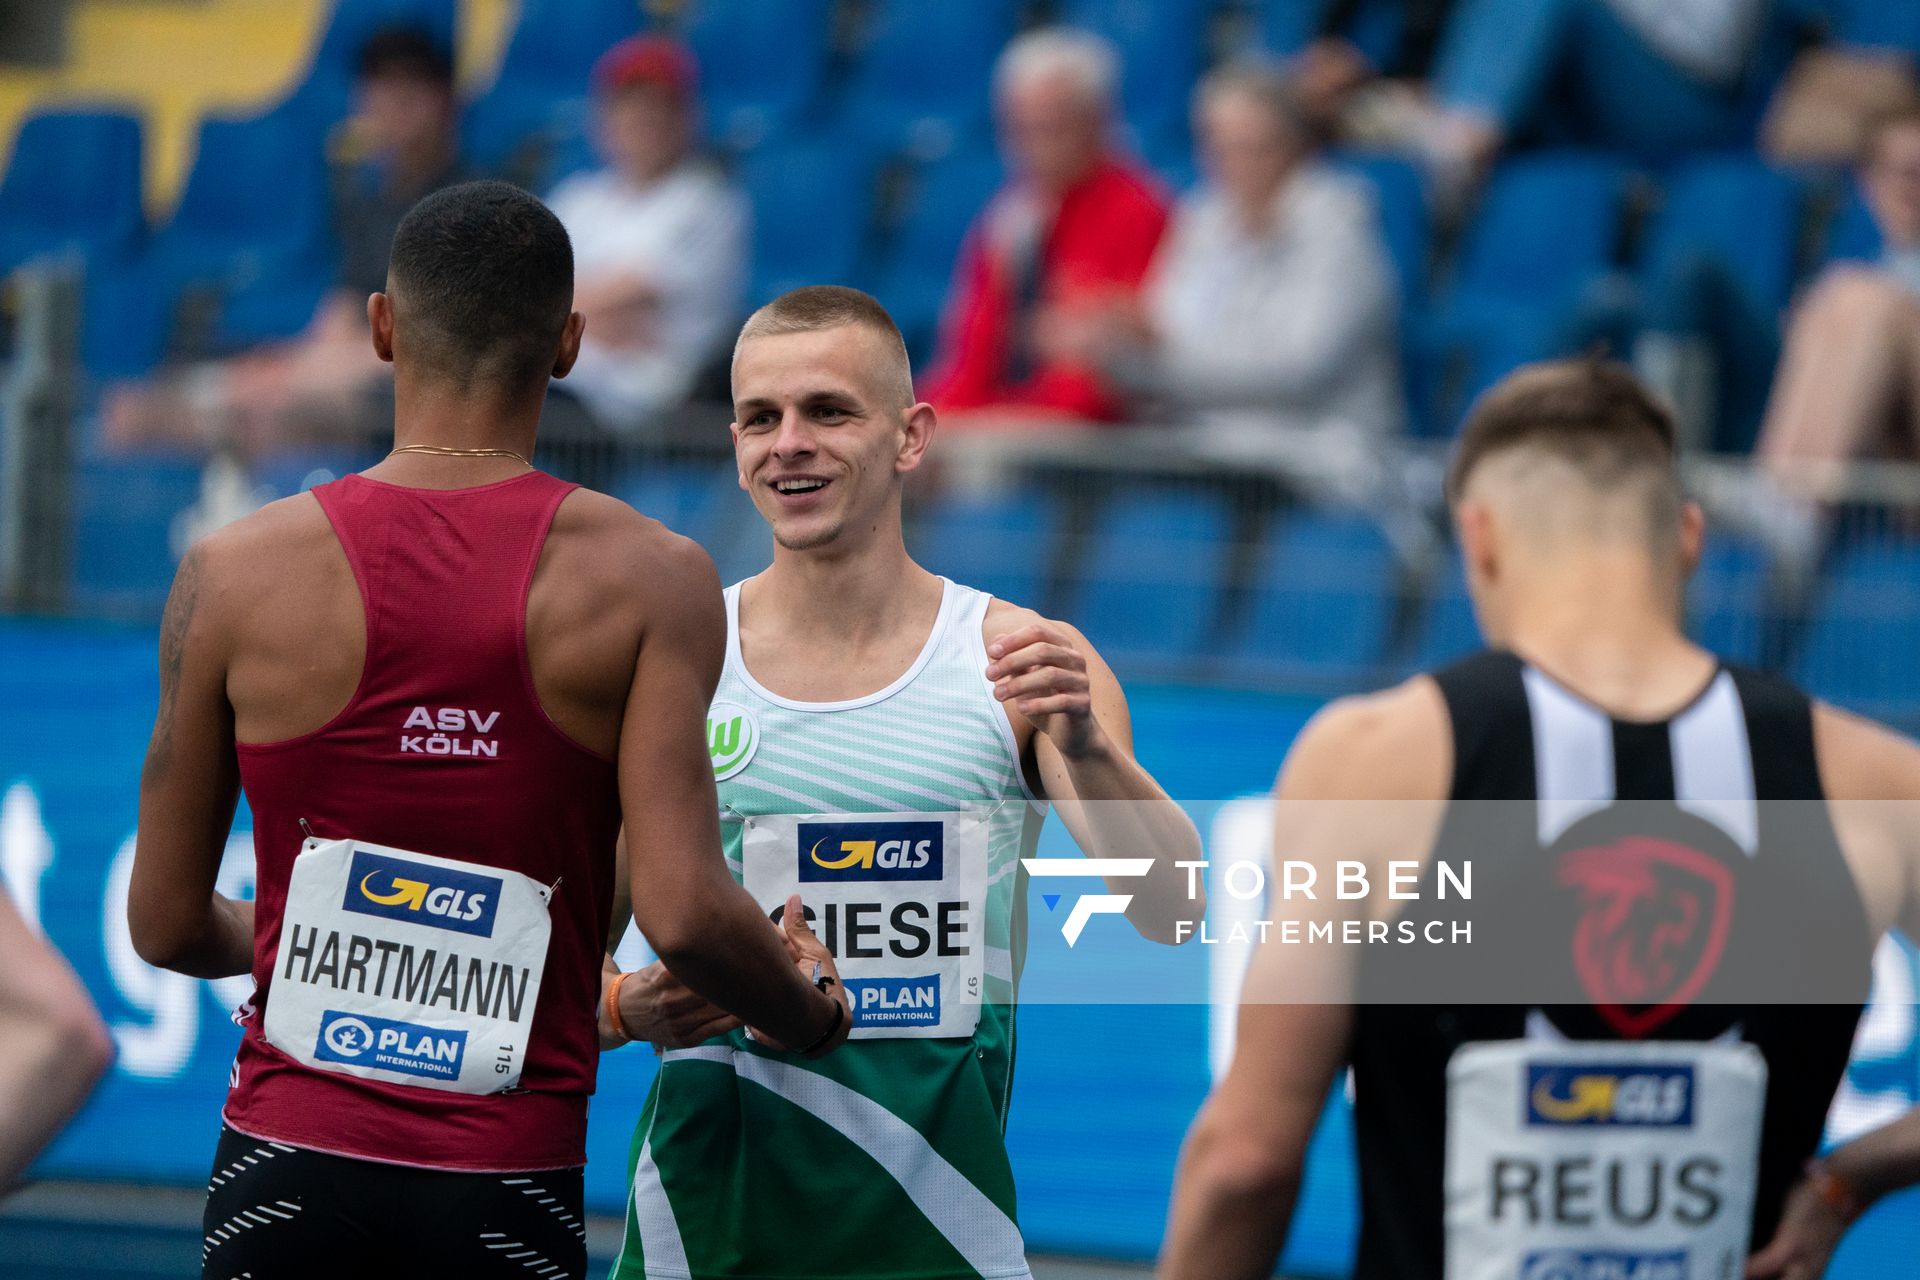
[838, 851]
[1616, 1095]
[438, 897]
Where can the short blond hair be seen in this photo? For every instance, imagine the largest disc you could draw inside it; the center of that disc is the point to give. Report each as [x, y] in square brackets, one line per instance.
[829, 306]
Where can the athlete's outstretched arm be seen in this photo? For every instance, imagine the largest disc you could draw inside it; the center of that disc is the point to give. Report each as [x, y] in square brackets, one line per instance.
[705, 928]
[1083, 752]
[188, 789]
[53, 1046]
[1871, 776]
[1240, 1171]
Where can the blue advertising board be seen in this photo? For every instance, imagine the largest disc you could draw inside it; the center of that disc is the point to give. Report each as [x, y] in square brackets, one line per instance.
[1104, 1092]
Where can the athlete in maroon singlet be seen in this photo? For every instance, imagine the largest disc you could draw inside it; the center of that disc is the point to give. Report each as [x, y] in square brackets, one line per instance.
[440, 683]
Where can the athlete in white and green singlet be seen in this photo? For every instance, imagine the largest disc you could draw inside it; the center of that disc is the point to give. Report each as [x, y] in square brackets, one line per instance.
[882, 740]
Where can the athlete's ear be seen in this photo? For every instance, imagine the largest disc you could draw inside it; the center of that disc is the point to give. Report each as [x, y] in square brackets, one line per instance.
[569, 344]
[921, 422]
[1479, 552]
[1693, 535]
[739, 472]
[380, 322]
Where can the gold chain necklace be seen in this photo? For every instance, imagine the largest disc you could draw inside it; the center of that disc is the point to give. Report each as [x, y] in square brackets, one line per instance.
[446, 451]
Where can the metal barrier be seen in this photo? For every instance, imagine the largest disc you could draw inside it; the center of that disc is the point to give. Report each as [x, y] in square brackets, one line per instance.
[1185, 561]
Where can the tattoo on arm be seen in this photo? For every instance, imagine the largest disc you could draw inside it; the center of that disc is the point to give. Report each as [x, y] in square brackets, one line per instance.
[181, 602]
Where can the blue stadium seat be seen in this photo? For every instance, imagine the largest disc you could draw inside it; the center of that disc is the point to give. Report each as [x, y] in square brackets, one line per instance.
[556, 42]
[997, 542]
[1726, 598]
[328, 88]
[813, 209]
[1541, 242]
[123, 512]
[1152, 577]
[1740, 213]
[537, 105]
[72, 186]
[255, 200]
[762, 63]
[1288, 26]
[1719, 264]
[1320, 602]
[1405, 221]
[1852, 236]
[1881, 24]
[1863, 647]
[1162, 46]
[1449, 631]
[917, 265]
[684, 496]
[922, 72]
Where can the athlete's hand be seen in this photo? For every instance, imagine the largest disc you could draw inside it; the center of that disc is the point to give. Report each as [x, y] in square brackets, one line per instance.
[811, 957]
[1040, 670]
[1809, 1231]
[658, 1007]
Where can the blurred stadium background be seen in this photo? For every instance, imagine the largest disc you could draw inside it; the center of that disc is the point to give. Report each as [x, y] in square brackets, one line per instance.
[165, 202]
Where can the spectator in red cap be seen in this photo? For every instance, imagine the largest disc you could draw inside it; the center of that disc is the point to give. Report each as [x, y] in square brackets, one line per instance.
[1054, 251]
[659, 240]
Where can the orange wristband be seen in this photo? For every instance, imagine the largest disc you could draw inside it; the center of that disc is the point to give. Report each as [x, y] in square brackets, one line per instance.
[613, 1006]
[1835, 1192]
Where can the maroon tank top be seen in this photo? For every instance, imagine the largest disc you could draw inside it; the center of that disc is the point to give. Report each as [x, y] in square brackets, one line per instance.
[443, 750]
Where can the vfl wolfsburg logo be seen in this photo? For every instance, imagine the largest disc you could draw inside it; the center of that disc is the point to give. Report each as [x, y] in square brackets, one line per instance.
[732, 737]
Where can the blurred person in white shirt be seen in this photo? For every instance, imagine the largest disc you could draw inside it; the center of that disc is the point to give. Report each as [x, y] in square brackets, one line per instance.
[1271, 317]
[659, 241]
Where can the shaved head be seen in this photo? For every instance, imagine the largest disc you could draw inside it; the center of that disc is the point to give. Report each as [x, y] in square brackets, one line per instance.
[1572, 450]
[821, 307]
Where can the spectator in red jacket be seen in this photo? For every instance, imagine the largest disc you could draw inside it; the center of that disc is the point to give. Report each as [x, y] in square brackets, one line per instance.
[1072, 232]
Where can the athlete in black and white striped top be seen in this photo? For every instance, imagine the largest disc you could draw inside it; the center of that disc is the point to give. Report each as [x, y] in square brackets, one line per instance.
[1679, 872]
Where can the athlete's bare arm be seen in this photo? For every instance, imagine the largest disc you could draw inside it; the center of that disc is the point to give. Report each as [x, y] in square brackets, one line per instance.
[1241, 1167]
[53, 1046]
[1075, 735]
[1871, 776]
[654, 1005]
[190, 784]
[703, 925]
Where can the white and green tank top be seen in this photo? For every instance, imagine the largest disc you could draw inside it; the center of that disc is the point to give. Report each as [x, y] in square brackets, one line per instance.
[901, 819]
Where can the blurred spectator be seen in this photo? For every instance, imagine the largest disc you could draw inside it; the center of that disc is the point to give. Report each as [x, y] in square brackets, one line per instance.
[659, 241]
[1271, 305]
[1658, 78]
[1071, 234]
[1376, 96]
[1849, 380]
[401, 144]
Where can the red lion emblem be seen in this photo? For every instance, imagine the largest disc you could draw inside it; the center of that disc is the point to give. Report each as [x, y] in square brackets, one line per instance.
[1654, 917]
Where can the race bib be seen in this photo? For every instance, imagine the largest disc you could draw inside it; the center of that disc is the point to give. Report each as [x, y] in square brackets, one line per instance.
[900, 900]
[1602, 1161]
[408, 968]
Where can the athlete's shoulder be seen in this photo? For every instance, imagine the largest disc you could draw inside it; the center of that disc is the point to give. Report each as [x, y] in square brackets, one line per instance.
[1003, 617]
[622, 538]
[259, 549]
[1862, 759]
[1396, 744]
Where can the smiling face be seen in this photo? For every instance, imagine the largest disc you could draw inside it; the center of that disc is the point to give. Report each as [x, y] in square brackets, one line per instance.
[824, 428]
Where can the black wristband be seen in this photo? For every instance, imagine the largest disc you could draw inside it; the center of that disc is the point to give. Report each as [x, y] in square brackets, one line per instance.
[833, 1028]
